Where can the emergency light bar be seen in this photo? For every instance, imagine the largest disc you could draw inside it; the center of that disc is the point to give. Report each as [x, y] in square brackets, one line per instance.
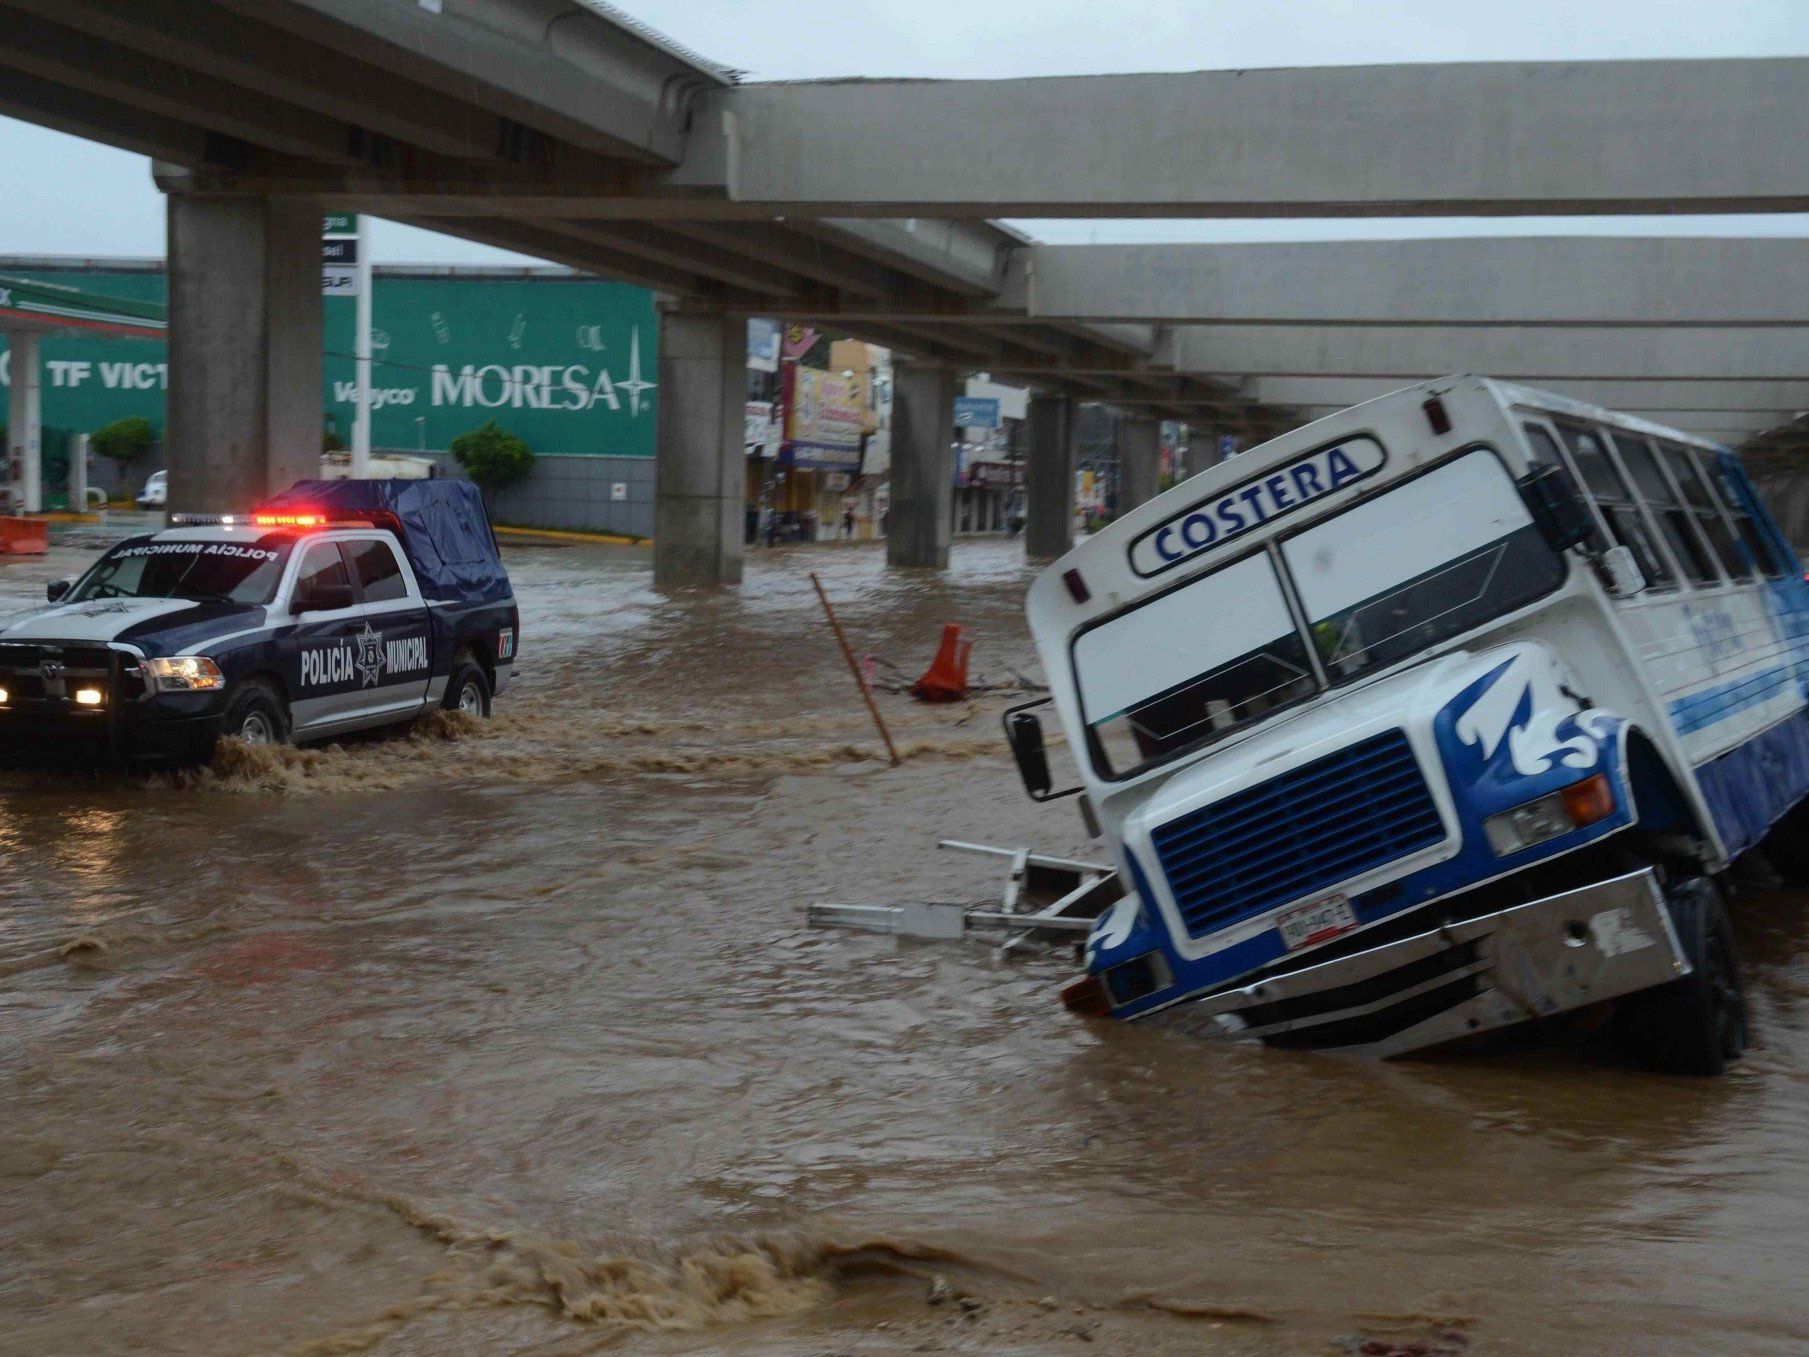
[287, 518]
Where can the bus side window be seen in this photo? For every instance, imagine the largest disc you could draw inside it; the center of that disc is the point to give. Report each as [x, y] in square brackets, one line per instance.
[1545, 449]
[1729, 550]
[1734, 499]
[1612, 496]
[1665, 505]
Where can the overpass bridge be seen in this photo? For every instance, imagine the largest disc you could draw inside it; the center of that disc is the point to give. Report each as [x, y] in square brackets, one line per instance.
[566, 130]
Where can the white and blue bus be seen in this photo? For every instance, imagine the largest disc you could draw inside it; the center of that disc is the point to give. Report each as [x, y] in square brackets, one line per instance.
[1442, 714]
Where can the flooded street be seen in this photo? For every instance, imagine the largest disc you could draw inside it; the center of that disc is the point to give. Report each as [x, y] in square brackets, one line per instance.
[512, 1040]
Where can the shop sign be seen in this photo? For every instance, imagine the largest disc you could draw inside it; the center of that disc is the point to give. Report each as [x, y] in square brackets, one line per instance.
[994, 475]
[976, 412]
[799, 340]
[824, 418]
[762, 429]
[764, 339]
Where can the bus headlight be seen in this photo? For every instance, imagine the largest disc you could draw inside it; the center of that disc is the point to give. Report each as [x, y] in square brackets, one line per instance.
[183, 674]
[1550, 816]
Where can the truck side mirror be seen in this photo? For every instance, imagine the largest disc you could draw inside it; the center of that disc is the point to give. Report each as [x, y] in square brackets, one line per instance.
[323, 598]
[1559, 510]
[1024, 733]
[57, 588]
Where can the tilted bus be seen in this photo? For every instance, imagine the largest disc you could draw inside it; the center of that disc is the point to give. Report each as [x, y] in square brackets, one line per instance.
[1444, 713]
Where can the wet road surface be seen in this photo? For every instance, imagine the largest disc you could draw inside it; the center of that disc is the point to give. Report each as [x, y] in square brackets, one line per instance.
[511, 1040]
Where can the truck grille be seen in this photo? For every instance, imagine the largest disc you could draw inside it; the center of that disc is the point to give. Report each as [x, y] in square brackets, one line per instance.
[22, 668]
[1300, 834]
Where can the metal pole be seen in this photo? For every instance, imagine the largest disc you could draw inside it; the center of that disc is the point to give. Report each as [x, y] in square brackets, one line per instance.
[361, 347]
[855, 669]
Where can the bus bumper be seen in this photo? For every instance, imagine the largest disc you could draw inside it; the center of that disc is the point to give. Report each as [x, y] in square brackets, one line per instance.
[1531, 961]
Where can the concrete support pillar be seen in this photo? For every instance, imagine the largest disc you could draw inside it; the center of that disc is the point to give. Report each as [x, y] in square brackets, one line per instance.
[1049, 478]
[923, 468]
[245, 340]
[78, 474]
[24, 424]
[1139, 462]
[700, 471]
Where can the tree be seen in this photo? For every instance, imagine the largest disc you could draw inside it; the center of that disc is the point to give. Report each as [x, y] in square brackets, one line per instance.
[493, 457]
[124, 440]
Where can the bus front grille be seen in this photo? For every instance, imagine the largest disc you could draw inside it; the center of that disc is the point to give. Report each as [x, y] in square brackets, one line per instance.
[1300, 834]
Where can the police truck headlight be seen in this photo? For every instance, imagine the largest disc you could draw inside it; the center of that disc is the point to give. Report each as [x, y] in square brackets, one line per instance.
[1549, 817]
[183, 674]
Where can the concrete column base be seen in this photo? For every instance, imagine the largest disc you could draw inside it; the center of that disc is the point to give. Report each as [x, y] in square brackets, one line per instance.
[245, 415]
[923, 470]
[700, 472]
[1139, 463]
[1049, 479]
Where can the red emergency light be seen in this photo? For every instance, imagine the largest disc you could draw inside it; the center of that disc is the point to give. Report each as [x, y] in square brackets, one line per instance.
[324, 518]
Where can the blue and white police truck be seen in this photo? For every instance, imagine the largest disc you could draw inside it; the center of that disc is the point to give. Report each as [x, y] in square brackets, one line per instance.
[1445, 713]
[337, 606]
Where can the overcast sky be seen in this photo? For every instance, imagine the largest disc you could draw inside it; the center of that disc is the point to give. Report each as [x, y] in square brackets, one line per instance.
[59, 195]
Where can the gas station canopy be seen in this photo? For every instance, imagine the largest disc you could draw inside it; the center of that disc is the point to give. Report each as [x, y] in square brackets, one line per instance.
[44, 308]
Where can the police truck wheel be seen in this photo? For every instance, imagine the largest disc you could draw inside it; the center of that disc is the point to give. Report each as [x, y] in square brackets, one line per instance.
[468, 690]
[255, 714]
[1696, 1025]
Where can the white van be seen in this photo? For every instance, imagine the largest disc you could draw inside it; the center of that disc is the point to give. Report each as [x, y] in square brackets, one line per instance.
[1442, 714]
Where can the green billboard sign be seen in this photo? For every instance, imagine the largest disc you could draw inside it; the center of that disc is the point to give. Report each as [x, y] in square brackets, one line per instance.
[569, 364]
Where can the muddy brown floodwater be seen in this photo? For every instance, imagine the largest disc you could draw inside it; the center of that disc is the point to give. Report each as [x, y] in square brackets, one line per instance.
[510, 1040]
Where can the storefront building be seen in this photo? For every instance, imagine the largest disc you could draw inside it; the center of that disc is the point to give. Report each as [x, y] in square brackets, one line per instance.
[568, 363]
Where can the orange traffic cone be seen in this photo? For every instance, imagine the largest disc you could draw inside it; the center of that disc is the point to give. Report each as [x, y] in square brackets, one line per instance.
[946, 678]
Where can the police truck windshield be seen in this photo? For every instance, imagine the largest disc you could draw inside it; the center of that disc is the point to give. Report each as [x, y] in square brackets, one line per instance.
[224, 572]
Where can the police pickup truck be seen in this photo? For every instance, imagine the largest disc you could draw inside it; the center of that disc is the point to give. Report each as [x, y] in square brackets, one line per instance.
[337, 606]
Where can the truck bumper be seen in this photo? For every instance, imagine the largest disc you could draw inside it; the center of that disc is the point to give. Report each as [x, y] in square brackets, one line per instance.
[44, 736]
[1531, 961]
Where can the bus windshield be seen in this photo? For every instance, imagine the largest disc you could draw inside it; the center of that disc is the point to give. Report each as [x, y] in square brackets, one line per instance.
[1190, 666]
[1436, 556]
[220, 572]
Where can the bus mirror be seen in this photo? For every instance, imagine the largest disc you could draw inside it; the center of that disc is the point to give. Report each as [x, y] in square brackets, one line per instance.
[1024, 733]
[1557, 508]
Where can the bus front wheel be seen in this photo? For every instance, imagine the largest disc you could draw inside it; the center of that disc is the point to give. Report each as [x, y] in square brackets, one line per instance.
[1695, 1025]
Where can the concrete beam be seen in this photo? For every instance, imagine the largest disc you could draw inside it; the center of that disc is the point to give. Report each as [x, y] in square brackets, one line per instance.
[1616, 395]
[83, 62]
[560, 66]
[1515, 280]
[49, 103]
[1495, 139]
[1717, 422]
[197, 35]
[1520, 353]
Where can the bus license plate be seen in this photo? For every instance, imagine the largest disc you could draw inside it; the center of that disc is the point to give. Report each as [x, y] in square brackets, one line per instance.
[1320, 921]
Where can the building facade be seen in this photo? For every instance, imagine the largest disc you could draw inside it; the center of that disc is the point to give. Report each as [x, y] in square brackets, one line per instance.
[566, 362]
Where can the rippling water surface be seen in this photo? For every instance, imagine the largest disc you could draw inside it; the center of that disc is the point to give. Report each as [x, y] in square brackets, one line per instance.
[511, 1040]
